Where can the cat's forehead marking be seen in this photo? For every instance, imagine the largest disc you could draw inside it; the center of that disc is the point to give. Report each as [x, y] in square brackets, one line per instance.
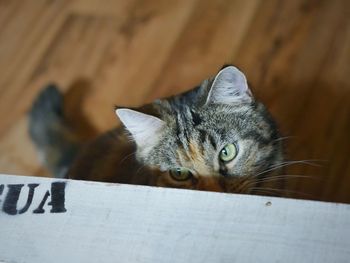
[194, 158]
[195, 151]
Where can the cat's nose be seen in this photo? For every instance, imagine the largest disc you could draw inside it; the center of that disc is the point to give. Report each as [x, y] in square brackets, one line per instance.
[223, 171]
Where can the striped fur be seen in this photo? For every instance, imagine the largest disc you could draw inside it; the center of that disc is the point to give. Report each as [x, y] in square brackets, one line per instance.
[196, 130]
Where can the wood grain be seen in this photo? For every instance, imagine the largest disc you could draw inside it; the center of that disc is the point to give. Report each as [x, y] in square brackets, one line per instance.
[295, 53]
[295, 57]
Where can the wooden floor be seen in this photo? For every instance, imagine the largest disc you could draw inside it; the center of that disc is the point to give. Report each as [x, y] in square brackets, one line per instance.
[296, 55]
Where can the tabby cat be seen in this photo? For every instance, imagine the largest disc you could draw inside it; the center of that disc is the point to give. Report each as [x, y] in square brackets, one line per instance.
[216, 137]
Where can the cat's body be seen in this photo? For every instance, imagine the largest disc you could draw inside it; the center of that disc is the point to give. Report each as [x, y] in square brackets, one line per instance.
[215, 137]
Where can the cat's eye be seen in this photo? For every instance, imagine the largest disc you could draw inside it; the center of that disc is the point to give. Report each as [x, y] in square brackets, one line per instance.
[180, 174]
[228, 153]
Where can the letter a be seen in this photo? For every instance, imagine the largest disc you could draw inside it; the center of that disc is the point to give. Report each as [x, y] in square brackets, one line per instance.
[57, 199]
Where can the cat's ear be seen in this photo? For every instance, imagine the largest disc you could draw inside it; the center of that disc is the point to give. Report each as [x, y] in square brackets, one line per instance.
[229, 87]
[143, 127]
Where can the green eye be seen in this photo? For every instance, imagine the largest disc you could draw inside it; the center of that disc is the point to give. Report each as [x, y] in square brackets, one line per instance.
[180, 174]
[228, 153]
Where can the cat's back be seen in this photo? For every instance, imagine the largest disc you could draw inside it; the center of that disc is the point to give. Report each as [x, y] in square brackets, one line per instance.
[109, 158]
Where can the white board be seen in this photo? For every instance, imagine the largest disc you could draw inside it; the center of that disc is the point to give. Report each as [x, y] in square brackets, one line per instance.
[124, 223]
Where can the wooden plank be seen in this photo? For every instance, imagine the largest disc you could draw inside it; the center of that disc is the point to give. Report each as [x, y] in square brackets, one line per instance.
[113, 8]
[140, 47]
[23, 41]
[294, 54]
[212, 35]
[97, 222]
[22, 156]
[120, 55]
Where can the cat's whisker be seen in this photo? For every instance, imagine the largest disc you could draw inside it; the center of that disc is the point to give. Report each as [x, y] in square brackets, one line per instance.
[251, 186]
[288, 163]
[271, 190]
[126, 157]
[284, 138]
[244, 186]
[251, 182]
[280, 191]
[129, 137]
[140, 169]
[247, 184]
[264, 192]
[284, 176]
[312, 162]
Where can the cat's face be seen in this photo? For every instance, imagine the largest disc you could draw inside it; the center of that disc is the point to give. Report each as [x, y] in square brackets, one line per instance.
[221, 141]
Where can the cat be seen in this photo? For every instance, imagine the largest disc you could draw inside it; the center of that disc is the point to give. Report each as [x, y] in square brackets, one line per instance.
[216, 137]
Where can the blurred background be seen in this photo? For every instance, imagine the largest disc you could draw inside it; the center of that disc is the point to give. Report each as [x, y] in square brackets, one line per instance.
[296, 55]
